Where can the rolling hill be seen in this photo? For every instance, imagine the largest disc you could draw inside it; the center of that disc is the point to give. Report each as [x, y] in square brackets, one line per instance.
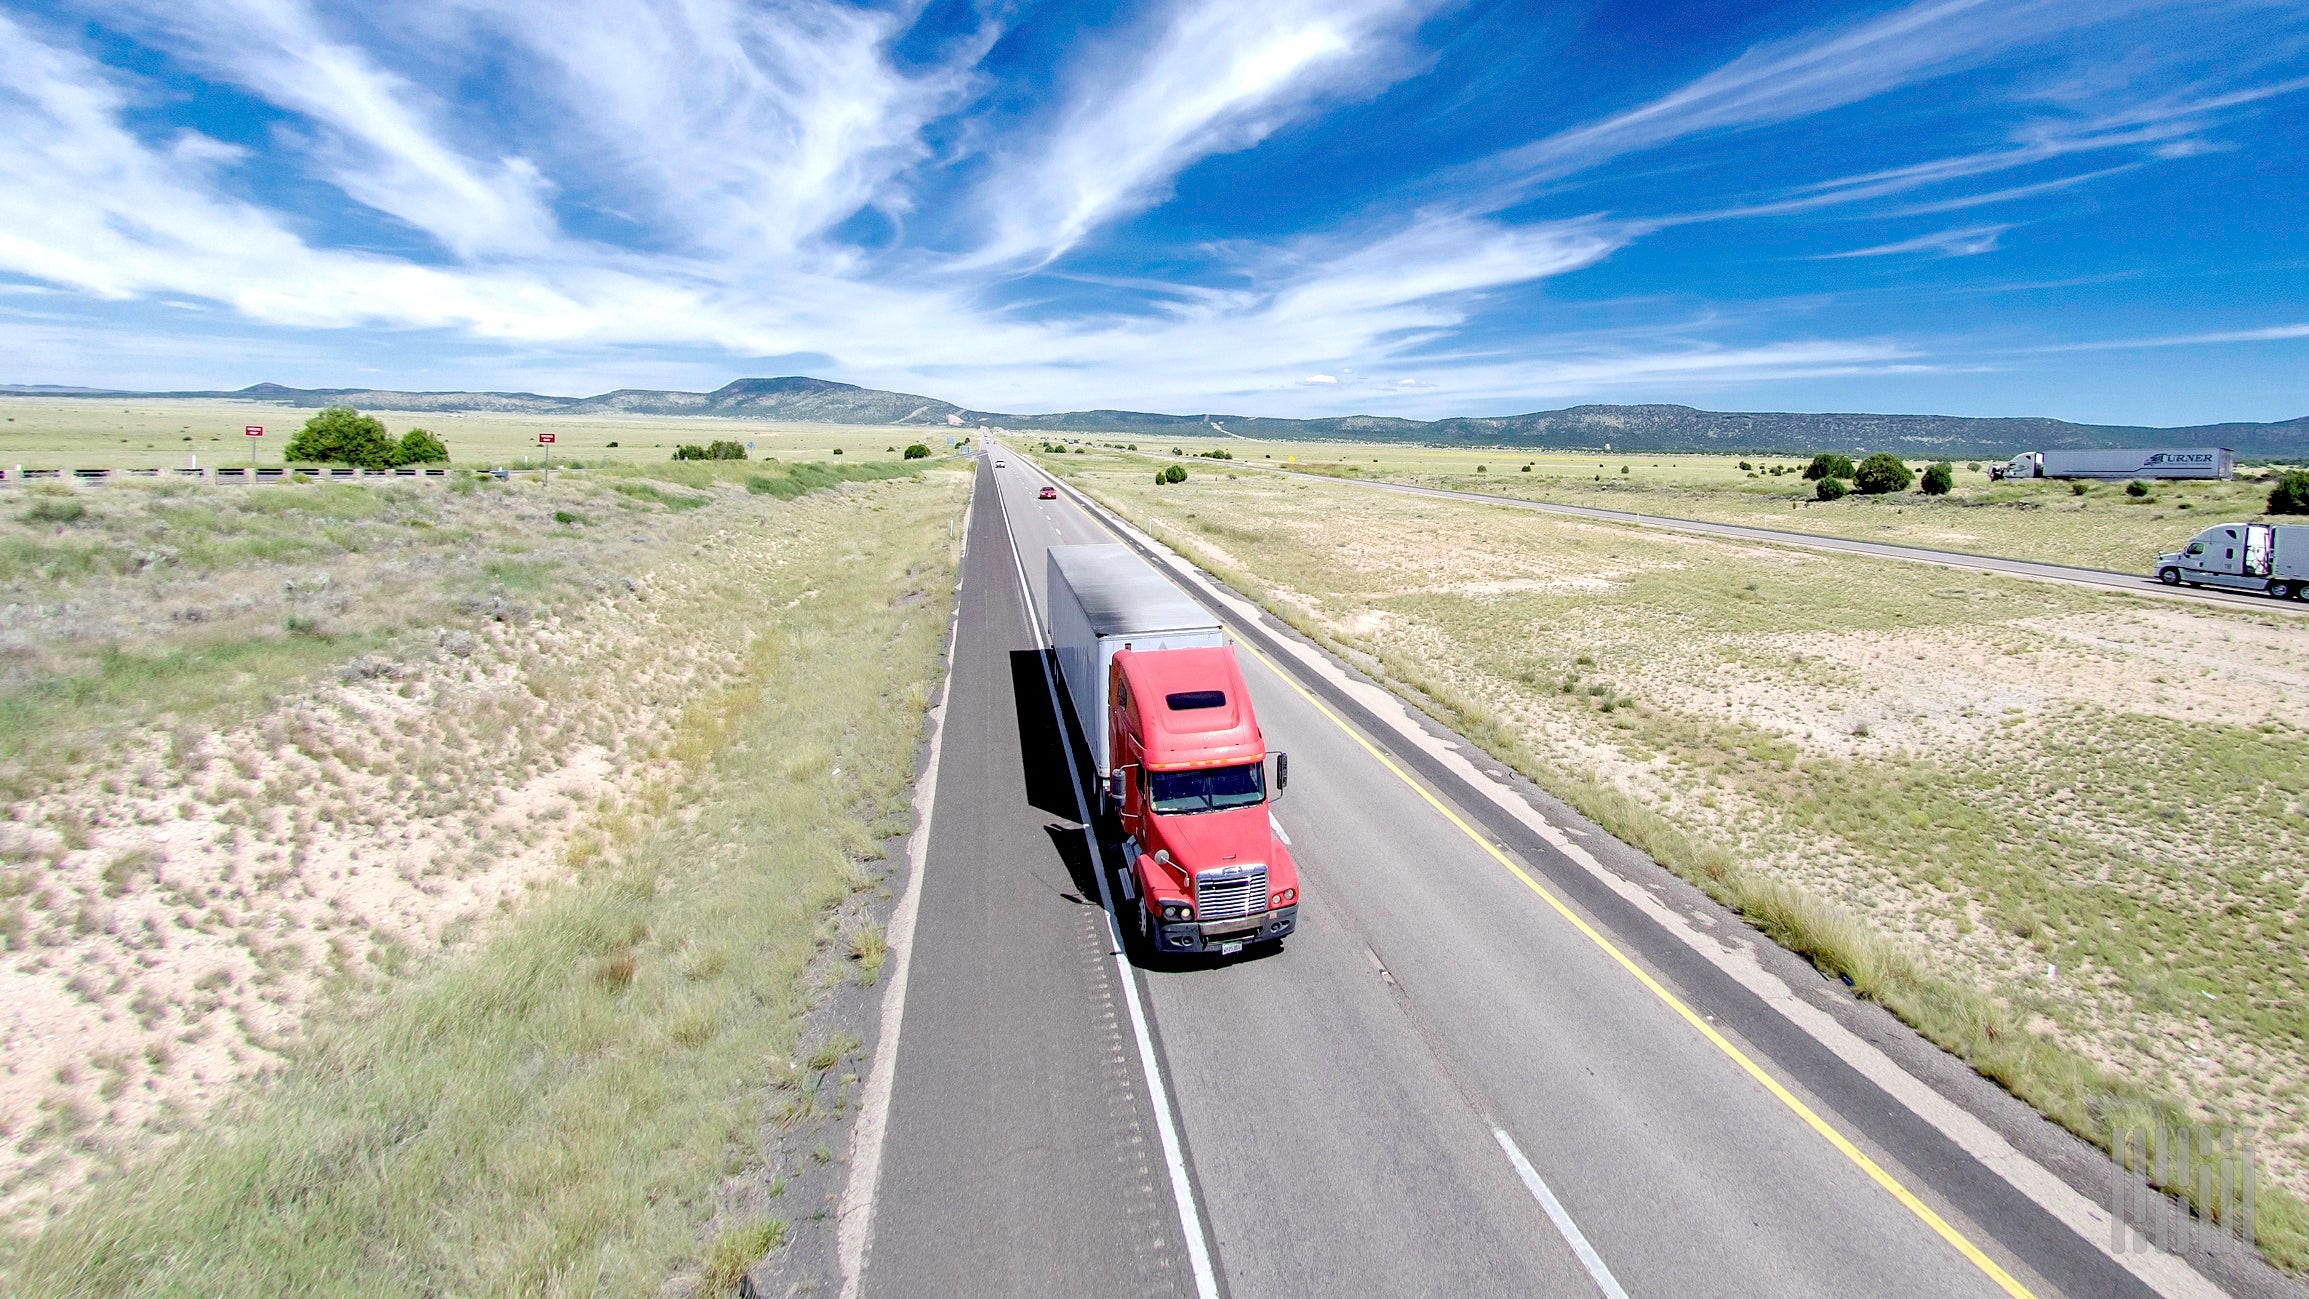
[1622, 428]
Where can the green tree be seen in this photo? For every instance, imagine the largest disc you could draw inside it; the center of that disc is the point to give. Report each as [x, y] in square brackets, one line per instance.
[1828, 464]
[2291, 494]
[419, 447]
[720, 449]
[340, 435]
[1175, 474]
[917, 451]
[1881, 473]
[1830, 489]
[1938, 479]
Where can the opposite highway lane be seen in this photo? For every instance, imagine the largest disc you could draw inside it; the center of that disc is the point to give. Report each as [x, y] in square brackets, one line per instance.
[2106, 579]
[1351, 1107]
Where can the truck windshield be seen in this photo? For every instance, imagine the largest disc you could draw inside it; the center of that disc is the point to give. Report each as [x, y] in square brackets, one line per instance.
[1209, 790]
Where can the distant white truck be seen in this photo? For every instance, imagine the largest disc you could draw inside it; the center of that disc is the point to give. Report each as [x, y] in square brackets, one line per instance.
[2271, 557]
[2123, 463]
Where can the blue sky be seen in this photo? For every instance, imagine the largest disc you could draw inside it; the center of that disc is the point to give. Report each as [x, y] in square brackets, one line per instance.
[2088, 210]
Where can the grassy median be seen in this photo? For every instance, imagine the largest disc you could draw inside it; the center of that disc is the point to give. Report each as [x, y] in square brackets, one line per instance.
[541, 1096]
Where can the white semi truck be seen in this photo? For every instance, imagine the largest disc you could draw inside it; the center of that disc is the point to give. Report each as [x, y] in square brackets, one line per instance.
[2121, 464]
[2271, 557]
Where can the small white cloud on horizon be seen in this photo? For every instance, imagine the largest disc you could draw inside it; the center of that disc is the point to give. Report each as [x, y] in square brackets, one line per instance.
[1320, 378]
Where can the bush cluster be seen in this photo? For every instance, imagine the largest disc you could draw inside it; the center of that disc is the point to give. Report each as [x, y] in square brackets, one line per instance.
[1828, 464]
[1938, 479]
[1830, 489]
[2291, 494]
[1220, 454]
[340, 435]
[917, 451]
[1171, 474]
[718, 449]
[1882, 473]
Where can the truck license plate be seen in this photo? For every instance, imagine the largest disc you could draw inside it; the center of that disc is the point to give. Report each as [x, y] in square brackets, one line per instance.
[1229, 949]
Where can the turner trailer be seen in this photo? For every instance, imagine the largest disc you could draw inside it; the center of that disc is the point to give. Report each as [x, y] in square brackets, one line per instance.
[1181, 761]
[2243, 557]
[2129, 462]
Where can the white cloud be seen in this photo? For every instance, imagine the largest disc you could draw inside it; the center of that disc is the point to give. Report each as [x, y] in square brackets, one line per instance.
[1210, 76]
[2268, 334]
[1970, 241]
[1320, 378]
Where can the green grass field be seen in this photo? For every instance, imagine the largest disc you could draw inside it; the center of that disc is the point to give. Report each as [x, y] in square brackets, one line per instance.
[2059, 831]
[2042, 520]
[488, 891]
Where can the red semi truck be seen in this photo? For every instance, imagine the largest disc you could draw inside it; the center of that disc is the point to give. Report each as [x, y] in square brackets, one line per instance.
[1181, 761]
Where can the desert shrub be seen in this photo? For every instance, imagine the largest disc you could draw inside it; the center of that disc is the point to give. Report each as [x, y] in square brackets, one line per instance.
[719, 449]
[2136, 488]
[1219, 454]
[419, 447]
[1881, 473]
[1745, 465]
[1830, 489]
[340, 435]
[917, 451]
[568, 516]
[2291, 494]
[1938, 479]
[1171, 474]
[49, 509]
[1828, 464]
[2079, 489]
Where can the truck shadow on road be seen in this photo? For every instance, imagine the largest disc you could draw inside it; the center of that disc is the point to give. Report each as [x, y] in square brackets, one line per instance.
[1049, 749]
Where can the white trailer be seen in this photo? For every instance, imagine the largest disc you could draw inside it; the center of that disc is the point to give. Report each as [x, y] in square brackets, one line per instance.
[2271, 557]
[2122, 464]
[1103, 598]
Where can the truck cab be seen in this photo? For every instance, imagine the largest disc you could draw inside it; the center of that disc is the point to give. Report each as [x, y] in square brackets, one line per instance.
[1190, 784]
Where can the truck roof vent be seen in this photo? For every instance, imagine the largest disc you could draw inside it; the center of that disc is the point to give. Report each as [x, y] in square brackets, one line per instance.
[1184, 700]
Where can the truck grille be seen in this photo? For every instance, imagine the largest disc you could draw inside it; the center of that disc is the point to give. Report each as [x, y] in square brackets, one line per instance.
[1230, 892]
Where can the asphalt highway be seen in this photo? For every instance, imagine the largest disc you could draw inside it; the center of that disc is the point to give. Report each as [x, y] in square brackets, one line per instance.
[1472, 1071]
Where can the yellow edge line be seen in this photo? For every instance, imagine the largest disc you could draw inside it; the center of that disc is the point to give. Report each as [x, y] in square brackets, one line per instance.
[1834, 1138]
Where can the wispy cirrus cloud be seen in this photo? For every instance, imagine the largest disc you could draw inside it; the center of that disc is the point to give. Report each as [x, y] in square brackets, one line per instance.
[1203, 77]
[1970, 241]
[698, 179]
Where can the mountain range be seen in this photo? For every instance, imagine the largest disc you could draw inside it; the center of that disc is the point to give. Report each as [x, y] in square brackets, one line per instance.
[1620, 428]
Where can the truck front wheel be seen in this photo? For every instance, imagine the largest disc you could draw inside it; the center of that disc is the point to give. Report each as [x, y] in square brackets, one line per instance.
[2169, 575]
[2282, 590]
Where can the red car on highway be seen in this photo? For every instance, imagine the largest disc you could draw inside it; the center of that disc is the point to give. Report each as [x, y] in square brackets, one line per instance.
[1047, 494]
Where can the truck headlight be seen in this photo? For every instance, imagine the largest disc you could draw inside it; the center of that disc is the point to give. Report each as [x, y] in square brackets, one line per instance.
[1177, 911]
[1286, 897]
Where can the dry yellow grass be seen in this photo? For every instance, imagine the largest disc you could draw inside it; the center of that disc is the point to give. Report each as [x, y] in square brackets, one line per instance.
[272, 751]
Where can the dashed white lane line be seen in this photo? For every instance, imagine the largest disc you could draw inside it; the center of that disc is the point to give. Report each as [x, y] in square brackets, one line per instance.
[1174, 1154]
[1558, 1215]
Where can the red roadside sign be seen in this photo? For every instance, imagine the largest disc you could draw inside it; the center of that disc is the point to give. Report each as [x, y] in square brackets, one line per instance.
[545, 437]
[254, 431]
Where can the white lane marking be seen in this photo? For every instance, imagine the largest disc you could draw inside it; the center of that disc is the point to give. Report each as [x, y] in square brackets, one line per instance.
[854, 1230]
[2166, 1273]
[1279, 834]
[1556, 1214]
[1174, 1156]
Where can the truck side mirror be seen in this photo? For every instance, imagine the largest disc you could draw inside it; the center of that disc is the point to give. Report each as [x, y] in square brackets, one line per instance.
[1282, 772]
[1115, 782]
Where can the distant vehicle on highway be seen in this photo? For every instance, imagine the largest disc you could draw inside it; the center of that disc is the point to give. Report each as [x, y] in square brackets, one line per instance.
[1047, 494]
[2127, 463]
[1002, 464]
[2243, 557]
[1180, 757]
